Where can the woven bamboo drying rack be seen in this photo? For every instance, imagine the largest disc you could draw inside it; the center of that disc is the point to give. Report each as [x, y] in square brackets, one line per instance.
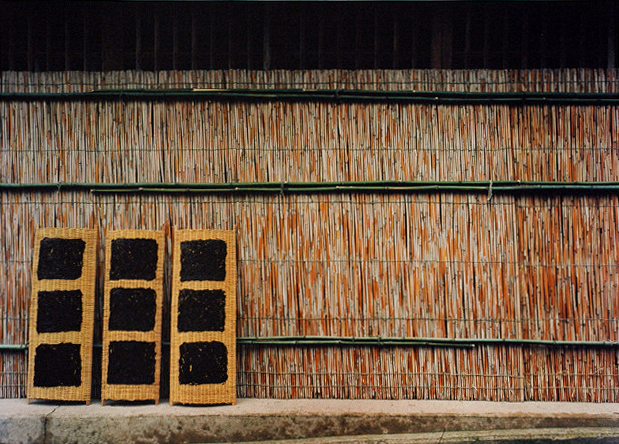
[204, 393]
[118, 335]
[77, 340]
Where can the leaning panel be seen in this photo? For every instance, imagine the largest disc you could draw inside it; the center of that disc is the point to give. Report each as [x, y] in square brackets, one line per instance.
[133, 299]
[62, 314]
[203, 318]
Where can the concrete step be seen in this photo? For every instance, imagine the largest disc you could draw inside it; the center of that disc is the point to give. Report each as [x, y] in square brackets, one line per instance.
[581, 435]
[309, 422]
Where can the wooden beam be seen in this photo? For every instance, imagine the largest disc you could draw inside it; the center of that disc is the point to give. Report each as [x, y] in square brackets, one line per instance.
[302, 36]
[467, 37]
[67, 42]
[138, 40]
[506, 48]
[86, 41]
[376, 39]
[396, 43]
[446, 39]
[194, 39]
[174, 38]
[486, 45]
[414, 37]
[266, 38]
[612, 37]
[524, 62]
[437, 46]
[156, 42]
[30, 44]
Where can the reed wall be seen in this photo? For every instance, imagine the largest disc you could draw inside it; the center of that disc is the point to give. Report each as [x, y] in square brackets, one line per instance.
[436, 265]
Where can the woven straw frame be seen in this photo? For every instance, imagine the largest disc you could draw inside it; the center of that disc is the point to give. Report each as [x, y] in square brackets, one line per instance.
[86, 284]
[220, 393]
[132, 392]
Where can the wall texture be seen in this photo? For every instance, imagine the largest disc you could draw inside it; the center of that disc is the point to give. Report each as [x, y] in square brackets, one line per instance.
[476, 264]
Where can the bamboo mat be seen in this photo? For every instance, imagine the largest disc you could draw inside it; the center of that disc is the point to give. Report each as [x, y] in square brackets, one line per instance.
[434, 265]
[132, 311]
[61, 314]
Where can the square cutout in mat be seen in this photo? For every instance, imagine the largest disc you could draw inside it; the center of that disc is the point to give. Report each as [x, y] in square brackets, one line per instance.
[131, 362]
[59, 310]
[60, 258]
[203, 260]
[201, 310]
[132, 309]
[57, 365]
[203, 363]
[133, 259]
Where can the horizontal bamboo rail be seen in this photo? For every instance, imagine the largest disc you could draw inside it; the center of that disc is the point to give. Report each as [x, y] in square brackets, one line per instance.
[331, 95]
[13, 347]
[420, 342]
[342, 341]
[505, 187]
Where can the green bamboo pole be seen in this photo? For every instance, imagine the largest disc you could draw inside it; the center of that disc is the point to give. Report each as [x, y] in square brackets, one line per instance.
[13, 347]
[406, 341]
[344, 341]
[490, 187]
[336, 95]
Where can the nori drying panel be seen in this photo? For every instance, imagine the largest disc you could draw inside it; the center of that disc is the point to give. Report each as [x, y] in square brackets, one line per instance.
[201, 310]
[131, 362]
[60, 258]
[57, 365]
[59, 311]
[133, 259]
[62, 300]
[202, 339]
[132, 309]
[203, 363]
[203, 260]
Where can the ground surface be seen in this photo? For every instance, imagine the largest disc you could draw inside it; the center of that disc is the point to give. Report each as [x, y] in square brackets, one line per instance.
[310, 422]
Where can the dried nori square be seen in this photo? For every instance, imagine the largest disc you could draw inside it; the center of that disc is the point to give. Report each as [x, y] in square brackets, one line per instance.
[133, 259]
[131, 362]
[132, 309]
[59, 311]
[60, 258]
[203, 260]
[201, 310]
[57, 365]
[203, 363]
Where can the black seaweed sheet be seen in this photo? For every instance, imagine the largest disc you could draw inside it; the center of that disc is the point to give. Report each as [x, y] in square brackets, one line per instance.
[203, 260]
[201, 310]
[57, 365]
[133, 259]
[60, 258]
[203, 363]
[59, 311]
[131, 362]
[132, 309]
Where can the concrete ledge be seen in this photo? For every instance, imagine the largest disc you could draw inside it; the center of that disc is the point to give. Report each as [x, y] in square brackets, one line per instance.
[525, 436]
[260, 419]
